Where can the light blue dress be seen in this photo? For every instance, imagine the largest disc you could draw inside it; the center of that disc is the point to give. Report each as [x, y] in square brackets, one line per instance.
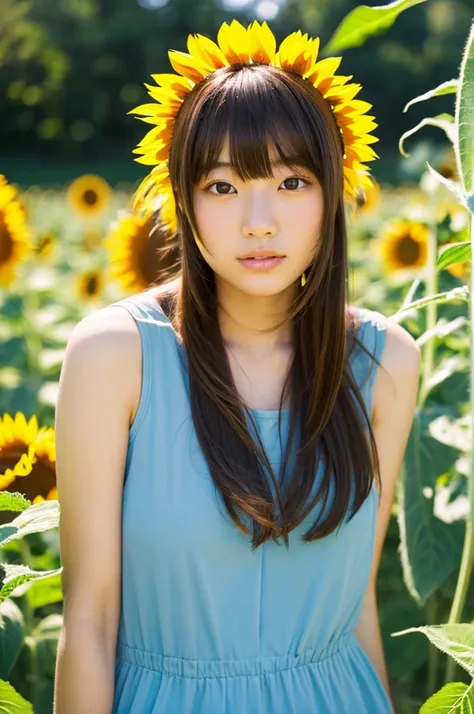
[207, 626]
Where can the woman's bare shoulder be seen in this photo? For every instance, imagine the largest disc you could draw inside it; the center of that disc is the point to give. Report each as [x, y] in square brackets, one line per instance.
[107, 341]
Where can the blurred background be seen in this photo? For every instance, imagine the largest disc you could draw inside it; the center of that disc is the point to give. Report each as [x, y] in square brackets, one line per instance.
[71, 69]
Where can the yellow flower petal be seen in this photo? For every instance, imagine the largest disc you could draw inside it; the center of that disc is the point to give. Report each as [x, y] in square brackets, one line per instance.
[262, 43]
[206, 52]
[234, 42]
[323, 69]
[188, 66]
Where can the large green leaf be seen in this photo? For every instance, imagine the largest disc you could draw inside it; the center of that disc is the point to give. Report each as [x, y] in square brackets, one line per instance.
[441, 121]
[43, 592]
[453, 698]
[449, 87]
[465, 119]
[12, 631]
[456, 640]
[11, 702]
[13, 501]
[430, 549]
[364, 22]
[12, 576]
[36, 519]
[46, 636]
[454, 253]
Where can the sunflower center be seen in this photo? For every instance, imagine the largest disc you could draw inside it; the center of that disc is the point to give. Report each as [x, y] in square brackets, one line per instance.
[408, 251]
[90, 197]
[92, 285]
[6, 243]
[37, 483]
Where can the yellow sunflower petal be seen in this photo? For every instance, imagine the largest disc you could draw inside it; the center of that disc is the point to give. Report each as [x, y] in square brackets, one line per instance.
[207, 52]
[188, 66]
[323, 69]
[180, 86]
[234, 42]
[262, 43]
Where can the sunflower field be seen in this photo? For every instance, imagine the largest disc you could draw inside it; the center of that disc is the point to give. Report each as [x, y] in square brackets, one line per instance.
[68, 250]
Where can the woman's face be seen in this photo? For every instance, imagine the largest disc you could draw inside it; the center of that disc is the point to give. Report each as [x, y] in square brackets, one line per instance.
[281, 214]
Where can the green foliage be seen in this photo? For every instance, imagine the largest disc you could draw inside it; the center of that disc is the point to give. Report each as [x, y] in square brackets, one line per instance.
[442, 121]
[430, 548]
[35, 519]
[454, 698]
[455, 253]
[465, 121]
[12, 631]
[13, 501]
[364, 22]
[449, 87]
[12, 576]
[11, 702]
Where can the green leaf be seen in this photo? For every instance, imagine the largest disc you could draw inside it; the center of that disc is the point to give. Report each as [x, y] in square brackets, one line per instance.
[454, 253]
[12, 631]
[11, 702]
[45, 592]
[36, 519]
[456, 640]
[364, 22]
[46, 636]
[13, 501]
[460, 293]
[449, 87]
[11, 576]
[442, 121]
[429, 548]
[453, 698]
[465, 118]
[450, 185]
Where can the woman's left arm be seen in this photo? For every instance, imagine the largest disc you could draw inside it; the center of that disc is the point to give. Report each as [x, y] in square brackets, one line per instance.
[394, 403]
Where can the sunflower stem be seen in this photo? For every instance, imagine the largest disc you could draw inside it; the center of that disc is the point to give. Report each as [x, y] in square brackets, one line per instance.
[429, 352]
[431, 314]
[465, 569]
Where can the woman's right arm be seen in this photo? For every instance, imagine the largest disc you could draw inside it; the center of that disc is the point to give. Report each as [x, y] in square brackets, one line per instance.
[99, 380]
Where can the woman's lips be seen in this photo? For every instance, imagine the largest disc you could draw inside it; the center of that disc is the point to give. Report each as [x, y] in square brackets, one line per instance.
[262, 263]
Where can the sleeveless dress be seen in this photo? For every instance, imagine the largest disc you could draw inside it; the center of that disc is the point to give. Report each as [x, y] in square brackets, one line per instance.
[207, 626]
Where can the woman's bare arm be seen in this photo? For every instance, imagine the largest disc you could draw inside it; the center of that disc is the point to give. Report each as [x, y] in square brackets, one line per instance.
[98, 387]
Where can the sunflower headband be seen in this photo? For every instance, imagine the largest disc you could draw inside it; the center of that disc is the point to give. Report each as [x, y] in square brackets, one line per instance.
[256, 44]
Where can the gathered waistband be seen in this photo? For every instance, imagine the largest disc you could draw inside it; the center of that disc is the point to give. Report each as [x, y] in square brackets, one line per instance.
[196, 669]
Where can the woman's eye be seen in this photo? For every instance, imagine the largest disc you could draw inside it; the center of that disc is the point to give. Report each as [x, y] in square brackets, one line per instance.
[292, 183]
[220, 185]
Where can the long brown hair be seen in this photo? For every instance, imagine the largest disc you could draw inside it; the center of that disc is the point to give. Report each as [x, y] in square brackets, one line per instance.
[254, 106]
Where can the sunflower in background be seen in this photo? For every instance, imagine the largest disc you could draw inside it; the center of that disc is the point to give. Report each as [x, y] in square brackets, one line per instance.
[134, 245]
[89, 284]
[15, 238]
[45, 243]
[27, 458]
[91, 239]
[403, 245]
[89, 196]
[367, 198]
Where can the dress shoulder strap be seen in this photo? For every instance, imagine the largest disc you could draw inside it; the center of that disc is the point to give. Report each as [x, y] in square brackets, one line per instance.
[159, 348]
[372, 334]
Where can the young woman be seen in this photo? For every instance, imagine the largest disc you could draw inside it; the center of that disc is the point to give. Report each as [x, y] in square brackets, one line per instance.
[228, 442]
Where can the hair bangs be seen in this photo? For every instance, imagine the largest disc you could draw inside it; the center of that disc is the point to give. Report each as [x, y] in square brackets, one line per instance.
[259, 112]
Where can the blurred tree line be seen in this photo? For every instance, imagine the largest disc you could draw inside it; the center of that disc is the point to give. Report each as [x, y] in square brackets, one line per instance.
[70, 70]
